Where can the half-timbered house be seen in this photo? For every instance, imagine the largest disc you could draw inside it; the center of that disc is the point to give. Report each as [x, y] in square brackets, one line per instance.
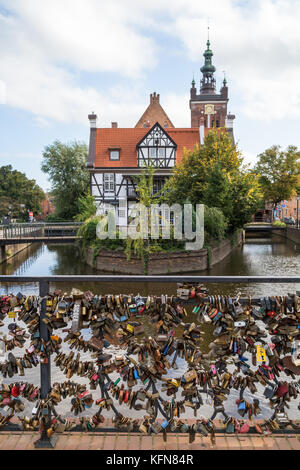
[117, 155]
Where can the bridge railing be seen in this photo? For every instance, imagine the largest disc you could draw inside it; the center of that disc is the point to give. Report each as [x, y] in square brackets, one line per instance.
[36, 229]
[44, 283]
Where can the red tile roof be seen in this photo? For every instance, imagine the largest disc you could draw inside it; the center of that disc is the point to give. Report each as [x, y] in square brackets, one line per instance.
[127, 140]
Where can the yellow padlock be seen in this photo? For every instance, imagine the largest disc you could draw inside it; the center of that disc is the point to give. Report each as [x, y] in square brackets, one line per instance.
[130, 328]
[261, 355]
[175, 382]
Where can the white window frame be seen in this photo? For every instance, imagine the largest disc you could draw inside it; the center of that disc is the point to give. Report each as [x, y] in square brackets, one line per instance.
[115, 152]
[109, 182]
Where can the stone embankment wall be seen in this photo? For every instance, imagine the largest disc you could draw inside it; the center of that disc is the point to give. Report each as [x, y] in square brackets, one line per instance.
[164, 263]
[293, 234]
[290, 233]
[8, 251]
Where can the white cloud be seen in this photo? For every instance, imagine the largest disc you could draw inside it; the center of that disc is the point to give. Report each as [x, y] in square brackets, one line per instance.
[256, 42]
[176, 107]
[47, 45]
[2, 92]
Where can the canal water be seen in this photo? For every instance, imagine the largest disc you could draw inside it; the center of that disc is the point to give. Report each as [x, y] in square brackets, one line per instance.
[259, 256]
[272, 256]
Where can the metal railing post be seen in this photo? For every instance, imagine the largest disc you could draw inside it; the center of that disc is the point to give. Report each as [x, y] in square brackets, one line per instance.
[45, 441]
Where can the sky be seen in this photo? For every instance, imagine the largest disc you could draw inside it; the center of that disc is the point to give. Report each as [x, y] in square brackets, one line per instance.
[62, 59]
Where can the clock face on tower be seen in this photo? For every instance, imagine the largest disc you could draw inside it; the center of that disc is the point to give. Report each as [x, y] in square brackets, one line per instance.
[209, 109]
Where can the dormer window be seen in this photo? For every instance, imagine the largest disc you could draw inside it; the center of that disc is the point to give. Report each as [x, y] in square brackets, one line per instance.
[114, 154]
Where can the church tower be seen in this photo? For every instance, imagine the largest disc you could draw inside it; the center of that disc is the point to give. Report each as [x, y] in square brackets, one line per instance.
[209, 108]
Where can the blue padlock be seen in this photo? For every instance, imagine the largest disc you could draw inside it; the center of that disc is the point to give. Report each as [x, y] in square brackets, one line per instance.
[242, 358]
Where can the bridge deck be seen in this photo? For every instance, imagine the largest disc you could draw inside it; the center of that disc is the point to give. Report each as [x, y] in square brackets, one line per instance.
[262, 228]
[37, 239]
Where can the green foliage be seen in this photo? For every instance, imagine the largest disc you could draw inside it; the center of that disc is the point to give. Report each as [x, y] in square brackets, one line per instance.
[278, 223]
[66, 166]
[143, 247]
[88, 234]
[209, 255]
[86, 207]
[108, 244]
[52, 218]
[279, 173]
[17, 189]
[215, 224]
[88, 231]
[214, 175]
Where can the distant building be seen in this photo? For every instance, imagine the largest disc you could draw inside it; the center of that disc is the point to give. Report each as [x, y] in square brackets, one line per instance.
[47, 207]
[289, 208]
[117, 154]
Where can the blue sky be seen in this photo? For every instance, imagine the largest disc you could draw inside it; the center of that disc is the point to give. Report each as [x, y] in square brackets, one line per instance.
[62, 59]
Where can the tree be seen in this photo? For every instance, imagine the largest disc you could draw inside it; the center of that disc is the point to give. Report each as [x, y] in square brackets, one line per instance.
[87, 208]
[66, 166]
[143, 247]
[18, 194]
[279, 173]
[214, 175]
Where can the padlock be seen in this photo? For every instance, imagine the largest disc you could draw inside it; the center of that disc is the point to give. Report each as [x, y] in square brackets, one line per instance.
[130, 328]
[190, 375]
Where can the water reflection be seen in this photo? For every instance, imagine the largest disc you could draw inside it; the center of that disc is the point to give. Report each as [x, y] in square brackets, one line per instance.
[258, 257]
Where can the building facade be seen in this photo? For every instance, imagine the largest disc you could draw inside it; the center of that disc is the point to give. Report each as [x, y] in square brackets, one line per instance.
[289, 208]
[117, 155]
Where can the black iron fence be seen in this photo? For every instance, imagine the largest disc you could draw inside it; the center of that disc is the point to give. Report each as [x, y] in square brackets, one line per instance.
[44, 283]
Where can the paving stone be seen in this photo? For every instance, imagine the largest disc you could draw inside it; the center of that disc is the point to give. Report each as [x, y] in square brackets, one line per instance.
[61, 442]
[146, 443]
[123, 441]
[246, 443]
[109, 442]
[269, 443]
[85, 442]
[159, 444]
[257, 442]
[134, 442]
[183, 442]
[9, 441]
[221, 442]
[26, 442]
[233, 443]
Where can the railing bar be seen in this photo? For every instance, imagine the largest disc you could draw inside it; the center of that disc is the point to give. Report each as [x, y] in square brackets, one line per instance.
[182, 278]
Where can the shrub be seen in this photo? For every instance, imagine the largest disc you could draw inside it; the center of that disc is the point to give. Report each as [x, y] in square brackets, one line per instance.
[278, 223]
[215, 223]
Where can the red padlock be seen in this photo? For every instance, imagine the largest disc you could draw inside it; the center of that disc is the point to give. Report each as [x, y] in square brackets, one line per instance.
[192, 293]
[15, 391]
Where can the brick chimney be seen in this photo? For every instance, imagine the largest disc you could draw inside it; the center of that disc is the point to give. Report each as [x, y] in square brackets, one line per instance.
[154, 98]
[93, 120]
